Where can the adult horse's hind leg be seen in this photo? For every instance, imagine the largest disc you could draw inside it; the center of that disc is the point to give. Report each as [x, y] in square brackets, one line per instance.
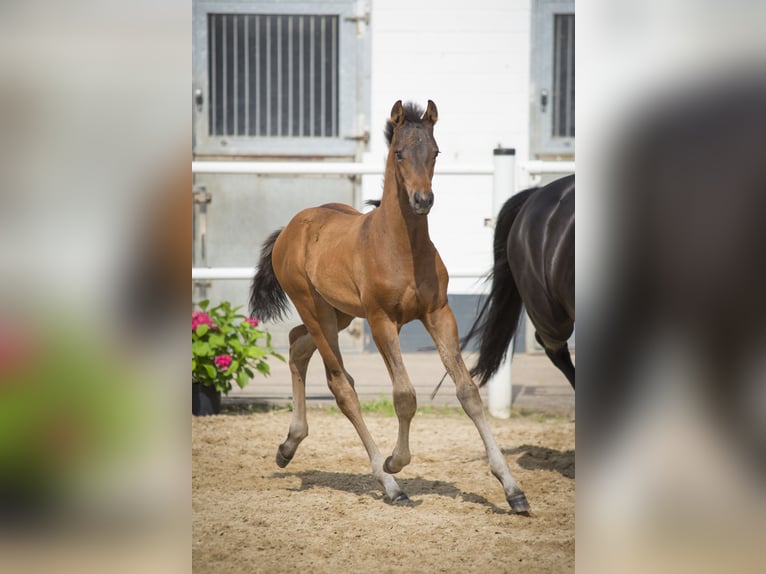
[443, 329]
[301, 349]
[559, 356]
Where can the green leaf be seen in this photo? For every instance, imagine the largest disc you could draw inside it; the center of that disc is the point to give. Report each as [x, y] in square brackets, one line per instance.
[255, 352]
[200, 349]
[263, 367]
[203, 304]
[216, 340]
[202, 330]
[249, 372]
[210, 371]
[236, 345]
[233, 367]
[242, 379]
[194, 365]
[278, 356]
[223, 386]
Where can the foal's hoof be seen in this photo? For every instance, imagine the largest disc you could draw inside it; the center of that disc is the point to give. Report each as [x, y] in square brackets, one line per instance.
[282, 460]
[519, 504]
[387, 467]
[401, 498]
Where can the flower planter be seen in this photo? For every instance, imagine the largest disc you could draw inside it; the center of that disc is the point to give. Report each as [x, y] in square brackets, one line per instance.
[205, 400]
[227, 349]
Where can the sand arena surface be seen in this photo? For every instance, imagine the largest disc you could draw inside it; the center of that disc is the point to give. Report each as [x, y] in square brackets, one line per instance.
[325, 512]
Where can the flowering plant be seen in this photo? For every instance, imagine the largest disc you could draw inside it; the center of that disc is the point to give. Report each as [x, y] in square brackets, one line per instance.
[225, 347]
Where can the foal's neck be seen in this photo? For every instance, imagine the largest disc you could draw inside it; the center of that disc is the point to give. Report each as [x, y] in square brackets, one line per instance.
[396, 212]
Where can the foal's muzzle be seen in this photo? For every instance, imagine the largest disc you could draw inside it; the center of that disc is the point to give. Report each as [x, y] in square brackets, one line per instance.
[421, 202]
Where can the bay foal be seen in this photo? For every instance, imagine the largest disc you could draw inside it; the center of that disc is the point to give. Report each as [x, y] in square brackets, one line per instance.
[335, 264]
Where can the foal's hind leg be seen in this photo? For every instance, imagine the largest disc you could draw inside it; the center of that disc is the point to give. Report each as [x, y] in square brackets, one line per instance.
[301, 349]
[322, 322]
[443, 329]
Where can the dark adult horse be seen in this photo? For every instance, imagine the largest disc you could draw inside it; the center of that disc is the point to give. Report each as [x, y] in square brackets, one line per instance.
[335, 263]
[534, 250]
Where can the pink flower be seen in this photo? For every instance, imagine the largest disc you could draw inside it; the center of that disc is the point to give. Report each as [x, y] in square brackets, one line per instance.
[202, 318]
[252, 320]
[222, 361]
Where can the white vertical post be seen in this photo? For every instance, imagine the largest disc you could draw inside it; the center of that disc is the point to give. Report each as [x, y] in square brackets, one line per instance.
[499, 391]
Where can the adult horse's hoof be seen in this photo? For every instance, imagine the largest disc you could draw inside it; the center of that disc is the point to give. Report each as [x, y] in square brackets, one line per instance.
[282, 460]
[519, 504]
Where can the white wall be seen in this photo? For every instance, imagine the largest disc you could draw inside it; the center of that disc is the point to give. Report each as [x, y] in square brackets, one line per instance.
[472, 60]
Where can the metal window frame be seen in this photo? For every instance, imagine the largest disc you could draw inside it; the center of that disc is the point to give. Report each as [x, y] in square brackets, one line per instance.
[350, 65]
[563, 113]
[543, 144]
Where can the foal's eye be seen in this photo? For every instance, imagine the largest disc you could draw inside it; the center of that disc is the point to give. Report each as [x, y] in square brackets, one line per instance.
[398, 155]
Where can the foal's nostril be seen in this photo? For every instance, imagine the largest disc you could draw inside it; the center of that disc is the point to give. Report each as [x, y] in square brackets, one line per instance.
[424, 201]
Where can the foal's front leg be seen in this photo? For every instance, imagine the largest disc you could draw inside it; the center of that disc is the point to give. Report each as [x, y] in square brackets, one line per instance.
[325, 336]
[386, 335]
[443, 329]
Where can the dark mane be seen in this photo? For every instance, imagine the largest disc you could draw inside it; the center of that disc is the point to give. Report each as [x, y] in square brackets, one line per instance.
[412, 113]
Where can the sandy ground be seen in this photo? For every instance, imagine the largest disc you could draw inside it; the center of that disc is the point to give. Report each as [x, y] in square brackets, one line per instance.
[325, 512]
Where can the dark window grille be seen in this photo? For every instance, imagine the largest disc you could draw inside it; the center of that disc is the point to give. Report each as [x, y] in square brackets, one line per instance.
[564, 76]
[273, 75]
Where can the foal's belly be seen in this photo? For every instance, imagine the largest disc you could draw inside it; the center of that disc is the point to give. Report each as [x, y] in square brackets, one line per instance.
[342, 299]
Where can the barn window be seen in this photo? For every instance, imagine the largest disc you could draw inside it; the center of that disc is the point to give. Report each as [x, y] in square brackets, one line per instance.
[552, 112]
[279, 78]
[563, 124]
[273, 75]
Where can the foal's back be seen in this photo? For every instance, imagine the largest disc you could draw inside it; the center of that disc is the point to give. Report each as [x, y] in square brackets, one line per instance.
[326, 263]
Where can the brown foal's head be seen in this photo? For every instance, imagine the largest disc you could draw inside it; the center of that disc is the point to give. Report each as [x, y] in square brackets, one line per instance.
[410, 134]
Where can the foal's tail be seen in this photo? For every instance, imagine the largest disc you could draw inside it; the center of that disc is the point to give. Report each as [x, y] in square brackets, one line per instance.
[268, 301]
[499, 315]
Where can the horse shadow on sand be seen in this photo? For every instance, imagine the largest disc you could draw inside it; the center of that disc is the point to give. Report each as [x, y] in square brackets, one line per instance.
[366, 485]
[544, 458]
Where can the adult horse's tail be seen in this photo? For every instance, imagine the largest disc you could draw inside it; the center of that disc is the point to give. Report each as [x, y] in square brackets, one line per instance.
[268, 301]
[499, 315]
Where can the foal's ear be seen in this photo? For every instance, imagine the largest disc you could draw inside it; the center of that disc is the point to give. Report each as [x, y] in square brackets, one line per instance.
[397, 113]
[431, 114]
